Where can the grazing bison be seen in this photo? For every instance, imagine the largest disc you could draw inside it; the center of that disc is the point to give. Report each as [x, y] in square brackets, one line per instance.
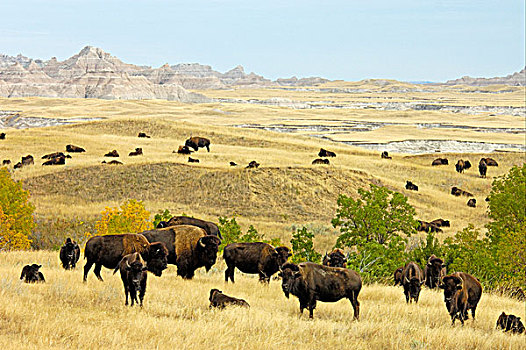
[490, 161]
[28, 160]
[461, 293]
[74, 149]
[462, 165]
[208, 226]
[397, 276]
[428, 227]
[410, 186]
[233, 164]
[483, 168]
[142, 134]
[336, 258]
[113, 153]
[183, 150]
[69, 254]
[2, 136]
[321, 161]
[455, 191]
[220, 300]
[434, 271]
[6, 162]
[311, 282]
[133, 274]
[472, 203]
[137, 152]
[198, 142]
[510, 323]
[189, 247]
[440, 161]
[112, 162]
[440, 223]
[254, 257]
[253, 164]
[193, 160]
[412, 280]
[56, 161]
[385, 155]
[325, 153]
[18, 165]
[108, 251]
[30, 274]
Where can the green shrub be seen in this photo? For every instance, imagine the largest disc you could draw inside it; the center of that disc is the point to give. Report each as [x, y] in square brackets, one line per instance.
[162, 215]
[303, 247]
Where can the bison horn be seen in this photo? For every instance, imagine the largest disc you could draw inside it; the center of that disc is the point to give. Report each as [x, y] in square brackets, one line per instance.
[405, 278]
[202, 244]
[127, 265]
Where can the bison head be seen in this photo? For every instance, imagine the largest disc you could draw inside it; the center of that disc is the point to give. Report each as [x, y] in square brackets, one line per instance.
[451, 284]
[156, 258]
[335, 259]
[69, 248]
[415, 285]
[283, 255]
[134, 272]
[289, 274]
[212, 292]
[206, 249]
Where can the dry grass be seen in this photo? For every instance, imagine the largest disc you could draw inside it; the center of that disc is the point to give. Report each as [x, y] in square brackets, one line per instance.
[64, 312]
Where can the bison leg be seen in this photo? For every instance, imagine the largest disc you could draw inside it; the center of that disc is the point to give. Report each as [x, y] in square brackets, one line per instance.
[263, 278]
[355, 305]
[97, 272]
[87, 267]
[312, 306]
[126, 293]
[133, 295]
[229, 273]
[208, 148]
[472, 312]
[143, 289]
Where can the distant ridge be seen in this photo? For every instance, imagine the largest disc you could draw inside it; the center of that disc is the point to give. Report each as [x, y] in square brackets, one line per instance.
[515, 79]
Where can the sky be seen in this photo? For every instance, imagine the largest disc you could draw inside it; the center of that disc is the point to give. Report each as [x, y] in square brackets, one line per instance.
[418, 40]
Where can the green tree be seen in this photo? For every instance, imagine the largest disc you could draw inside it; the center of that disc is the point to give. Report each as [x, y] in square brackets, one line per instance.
[303, 247]
[16, 213]
[230, 230]
[162, 215]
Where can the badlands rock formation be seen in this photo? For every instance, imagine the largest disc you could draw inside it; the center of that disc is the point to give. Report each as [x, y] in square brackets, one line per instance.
[515, 79]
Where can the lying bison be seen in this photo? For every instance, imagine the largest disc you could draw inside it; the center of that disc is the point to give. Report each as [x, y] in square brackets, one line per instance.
[133, 274]
[30, 274]
[311, 282]
[440, 223]
[411, 186]
[113, 153]
[385, 155]
[462, 292]
[189, 247]
[455, 191]
[254, 257]
[137, 152]
[2, 136]
[6, 162]
[472, 203]
[253, 165]
[220, 300]
[427, 227]
[109, 250]
[193, 160]
[412, 280]
[74, 149]
[55, 155]
[112, 162]
[198, 142]
[142, 134]
[336, 258]
[69, 254]
[325, 153]
[440, 161]
[233, 164]
[183, 150]
[321, 161]
[208, 226]
[61, 160]
[509, 323]
[434, 271]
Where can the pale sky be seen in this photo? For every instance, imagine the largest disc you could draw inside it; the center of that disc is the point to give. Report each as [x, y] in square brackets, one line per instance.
[432, 40]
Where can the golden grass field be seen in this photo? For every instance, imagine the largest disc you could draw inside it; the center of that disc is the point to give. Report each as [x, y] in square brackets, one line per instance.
[285, 190]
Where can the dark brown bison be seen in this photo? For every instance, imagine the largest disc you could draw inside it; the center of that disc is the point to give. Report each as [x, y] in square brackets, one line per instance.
[220, 300]
[55, 155]
[113, 153]
[208, 226]
[434, 271]
[162, 224]
[321, 161]
[69, 254]
[440, 161]
[254, 257]
[455, 191]
[311, 282]
[56, 161]
[490, 161]
[440, 223]
[461, 293]
[193, 160]
[183, 150]
[397, 276]
[142, 134]
[412, 280]
[109, 250]
[483, 168]
[253, 164]
[112, 162]
[510, 323]
[462, 165]
[18, 165]
[472, 203]
[326, 153]
[6, 162]
[189, 247]
[385, 155]
[428, 227]
[233, 164]
[410, 186]
[30, 274]
[336, 258]
[28, 160]
[198, 142]
[74, 149]
[133, 274]
[2, 136]
[137, 152]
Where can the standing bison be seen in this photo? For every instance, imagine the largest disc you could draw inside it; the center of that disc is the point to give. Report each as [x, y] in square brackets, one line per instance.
[311, 282]
[109, 250]
[69, 254]
[483, 168]
[30, 274]
[208, 226]
[336, 258]
[198, 142]
[461, 293]
[133, 274]
[255, 257]
[189, 247]
[412, 280]
[434, 271]
[397, 276]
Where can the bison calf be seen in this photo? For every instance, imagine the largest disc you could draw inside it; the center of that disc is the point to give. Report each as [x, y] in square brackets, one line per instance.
[30, 274]
[183, 150]
[133, 274]
[69, 254]
[510, 323]
[220, 300]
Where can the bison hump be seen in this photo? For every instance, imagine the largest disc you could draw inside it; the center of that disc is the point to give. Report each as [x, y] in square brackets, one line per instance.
[134, 243]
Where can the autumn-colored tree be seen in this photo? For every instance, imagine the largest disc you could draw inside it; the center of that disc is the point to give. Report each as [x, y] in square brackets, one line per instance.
[130, 217]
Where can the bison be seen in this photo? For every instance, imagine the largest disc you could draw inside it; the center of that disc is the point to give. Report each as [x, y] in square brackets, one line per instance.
[233, 164]
[462, 165]
[411, 186]
[510, 323]
[112, 162]
[311, 282]
[412, 280]
[6, 162]
[189, 247]
[440, 161]
[208, 226]
[133, 274]
[2, 136]
[220, 300]
[455, 191]
[142, 134]
[253, 164]
[321, 161]
[434, 271]
[137, 152]
[108, 251]
[397, 276]
[55, 155]
[325, 153]
[385, 155]
[193, 160]
[462, 292]
[183, 150]
[483, 168]
[254, 257]
[30, 274]
[74, 149]
[69, 254]
[113, 153]
[472, 203]
[427, 227]
[336, 258]
[18, 165]
[490, 161]
[440, 223]
[56, 161]
[28, 160]
[198, 142]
